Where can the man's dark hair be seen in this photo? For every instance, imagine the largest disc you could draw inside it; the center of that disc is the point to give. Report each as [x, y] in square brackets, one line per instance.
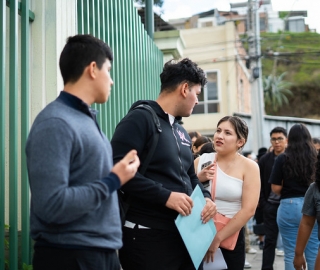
[316, 140]
[279, 130]
[78, 53]
[176, 72]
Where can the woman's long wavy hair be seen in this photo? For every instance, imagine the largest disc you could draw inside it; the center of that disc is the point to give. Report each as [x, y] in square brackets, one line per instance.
[318, 171]
[301, 155]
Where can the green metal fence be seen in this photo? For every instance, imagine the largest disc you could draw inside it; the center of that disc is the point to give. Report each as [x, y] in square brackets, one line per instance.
[17, 87]
[136, 68]
[137, 60]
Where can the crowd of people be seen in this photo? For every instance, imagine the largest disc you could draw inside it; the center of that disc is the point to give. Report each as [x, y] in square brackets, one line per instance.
[75, 172]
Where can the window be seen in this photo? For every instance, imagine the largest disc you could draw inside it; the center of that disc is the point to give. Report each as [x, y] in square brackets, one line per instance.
[209, 97]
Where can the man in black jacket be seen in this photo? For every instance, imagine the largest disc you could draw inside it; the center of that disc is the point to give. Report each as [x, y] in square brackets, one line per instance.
[269, 201]
[150, 237]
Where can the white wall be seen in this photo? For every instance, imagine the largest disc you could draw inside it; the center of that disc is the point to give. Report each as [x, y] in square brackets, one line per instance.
[54, 22]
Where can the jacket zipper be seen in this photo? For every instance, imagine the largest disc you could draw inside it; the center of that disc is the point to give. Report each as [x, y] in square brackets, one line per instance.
[185, 184]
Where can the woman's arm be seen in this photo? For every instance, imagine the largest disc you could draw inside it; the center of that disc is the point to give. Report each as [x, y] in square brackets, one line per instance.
[305, 228]
[276, 189]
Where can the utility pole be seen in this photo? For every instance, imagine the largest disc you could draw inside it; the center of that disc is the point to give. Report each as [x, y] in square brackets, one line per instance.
[257, 102]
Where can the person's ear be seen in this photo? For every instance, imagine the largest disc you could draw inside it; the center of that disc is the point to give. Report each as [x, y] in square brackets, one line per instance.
[184, 89]
[92, 70]
[240, 143]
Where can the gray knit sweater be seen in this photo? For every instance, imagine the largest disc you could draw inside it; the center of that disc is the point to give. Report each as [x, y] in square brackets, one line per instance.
[73, 202]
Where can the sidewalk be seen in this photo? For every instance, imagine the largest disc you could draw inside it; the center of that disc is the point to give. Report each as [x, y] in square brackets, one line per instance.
[256, 260]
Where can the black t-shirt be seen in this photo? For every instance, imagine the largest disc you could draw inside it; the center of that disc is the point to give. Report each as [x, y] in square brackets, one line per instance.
[291, 186]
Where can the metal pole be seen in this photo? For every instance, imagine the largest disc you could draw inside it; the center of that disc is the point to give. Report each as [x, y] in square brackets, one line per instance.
[25, 101]
[149, 22]
[2, 128]
[258, 81]
[257, 105]
[13, 135]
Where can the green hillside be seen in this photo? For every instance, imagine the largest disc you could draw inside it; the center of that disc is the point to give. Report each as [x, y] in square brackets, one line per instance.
[299, 56]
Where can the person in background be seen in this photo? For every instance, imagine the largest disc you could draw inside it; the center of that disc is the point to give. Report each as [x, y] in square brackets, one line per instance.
[249, 249]
[292, 174]
[151, 239]
[74, 215]
[310, 214]
[316, 142]
[269, 201]
[194, 135]
[258, 215]
[206, 148]
[197, 145]
[237, 186]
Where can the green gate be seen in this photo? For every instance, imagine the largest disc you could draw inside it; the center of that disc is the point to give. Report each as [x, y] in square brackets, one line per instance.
[137, 60]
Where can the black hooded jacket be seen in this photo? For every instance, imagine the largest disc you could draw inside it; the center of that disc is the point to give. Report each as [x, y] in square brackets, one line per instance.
[170, 169]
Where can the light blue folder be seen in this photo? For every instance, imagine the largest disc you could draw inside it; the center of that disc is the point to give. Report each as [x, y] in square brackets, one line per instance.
[196, 235]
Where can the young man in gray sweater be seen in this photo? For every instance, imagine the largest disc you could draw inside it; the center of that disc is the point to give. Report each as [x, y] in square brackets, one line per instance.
[74, 208]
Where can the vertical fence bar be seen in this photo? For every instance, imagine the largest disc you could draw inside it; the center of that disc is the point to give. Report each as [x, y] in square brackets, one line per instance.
[117, 22]
[13, 135]
[86, 17]
[111, 37]
[96, 33]
[25, 228]
[80, 16]
[102, 30]
[2, 127]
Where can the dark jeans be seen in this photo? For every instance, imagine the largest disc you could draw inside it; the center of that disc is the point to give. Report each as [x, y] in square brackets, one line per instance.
[235, 258]
[48, 258]
[152, 249]
[271, 235]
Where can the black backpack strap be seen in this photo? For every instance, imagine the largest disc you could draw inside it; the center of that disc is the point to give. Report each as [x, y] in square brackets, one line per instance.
[155, 137]
[124, 199]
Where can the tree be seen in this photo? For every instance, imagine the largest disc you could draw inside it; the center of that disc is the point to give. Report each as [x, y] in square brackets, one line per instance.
[276, 91]
[158, 3]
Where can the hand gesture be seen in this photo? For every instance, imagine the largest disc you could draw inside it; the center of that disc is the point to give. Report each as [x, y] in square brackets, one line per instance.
[180, 202]
[127, 167]
[206, 173]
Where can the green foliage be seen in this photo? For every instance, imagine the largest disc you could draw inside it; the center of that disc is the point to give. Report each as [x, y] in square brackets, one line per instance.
[27, 267]
[301, 63]
[6, 245]
[283, 14]
[158, 3]
[276, 91]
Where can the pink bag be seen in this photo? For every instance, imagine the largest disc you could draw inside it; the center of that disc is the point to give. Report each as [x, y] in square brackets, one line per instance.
[221, 220]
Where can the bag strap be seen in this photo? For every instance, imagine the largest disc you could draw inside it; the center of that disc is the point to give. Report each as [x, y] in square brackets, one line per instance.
[214, 180]
[155, 137]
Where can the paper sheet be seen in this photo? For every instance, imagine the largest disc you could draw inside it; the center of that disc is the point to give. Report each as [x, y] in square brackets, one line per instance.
[218, 263]
[196, 235]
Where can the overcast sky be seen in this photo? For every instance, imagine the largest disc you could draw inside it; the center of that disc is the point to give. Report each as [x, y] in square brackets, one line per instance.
[185, 8]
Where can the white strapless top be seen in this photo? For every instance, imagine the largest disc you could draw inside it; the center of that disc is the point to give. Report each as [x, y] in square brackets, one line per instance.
[228, 189]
